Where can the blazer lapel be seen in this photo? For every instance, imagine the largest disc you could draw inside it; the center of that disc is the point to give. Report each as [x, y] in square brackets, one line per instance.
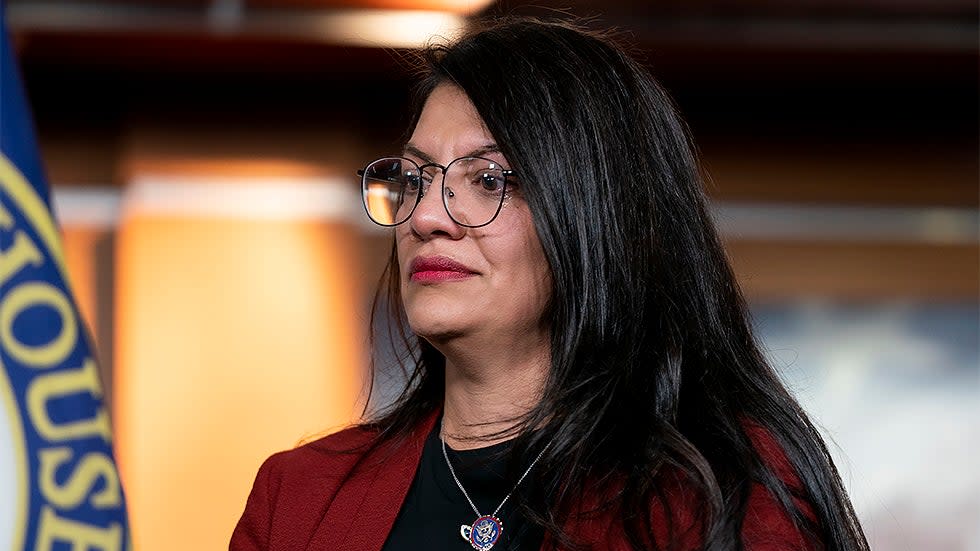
[364, 510]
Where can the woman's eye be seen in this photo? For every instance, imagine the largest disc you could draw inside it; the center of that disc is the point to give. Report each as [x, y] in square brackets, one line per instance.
[412, 183]
[491, 182]
[415, 182]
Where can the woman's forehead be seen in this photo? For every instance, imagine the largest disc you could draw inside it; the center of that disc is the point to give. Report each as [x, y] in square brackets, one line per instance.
[449, 126]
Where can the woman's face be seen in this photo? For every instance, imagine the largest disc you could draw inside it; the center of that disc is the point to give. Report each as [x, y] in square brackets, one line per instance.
[458, 281]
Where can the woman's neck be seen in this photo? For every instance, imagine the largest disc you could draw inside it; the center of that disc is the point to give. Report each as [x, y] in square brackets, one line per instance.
[488, 393]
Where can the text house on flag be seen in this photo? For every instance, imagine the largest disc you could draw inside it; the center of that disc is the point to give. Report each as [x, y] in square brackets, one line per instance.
[59, 486]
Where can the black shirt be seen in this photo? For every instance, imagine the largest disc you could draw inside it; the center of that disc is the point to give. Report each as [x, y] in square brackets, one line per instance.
[435, 508]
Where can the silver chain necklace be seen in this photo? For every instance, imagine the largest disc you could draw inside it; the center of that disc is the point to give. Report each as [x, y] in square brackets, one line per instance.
[485, 531]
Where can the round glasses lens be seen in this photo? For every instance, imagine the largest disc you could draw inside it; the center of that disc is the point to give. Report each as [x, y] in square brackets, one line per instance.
[475, 190]
[390, 189]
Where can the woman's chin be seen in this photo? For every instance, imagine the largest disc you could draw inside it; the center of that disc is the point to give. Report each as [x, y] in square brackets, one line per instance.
[436, 330]
[434, 316]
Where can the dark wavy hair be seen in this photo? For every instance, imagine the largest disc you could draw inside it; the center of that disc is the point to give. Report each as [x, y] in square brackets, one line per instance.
[654, 366]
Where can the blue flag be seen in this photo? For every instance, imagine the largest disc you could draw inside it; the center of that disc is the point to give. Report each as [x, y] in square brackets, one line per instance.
[59, 486]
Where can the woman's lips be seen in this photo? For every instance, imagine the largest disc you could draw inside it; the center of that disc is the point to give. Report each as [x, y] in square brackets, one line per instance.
[433, 269]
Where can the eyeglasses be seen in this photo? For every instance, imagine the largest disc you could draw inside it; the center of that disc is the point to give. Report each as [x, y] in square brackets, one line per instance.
[473, 189]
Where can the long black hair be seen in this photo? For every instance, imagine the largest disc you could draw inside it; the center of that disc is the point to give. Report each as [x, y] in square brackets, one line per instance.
[654, 367]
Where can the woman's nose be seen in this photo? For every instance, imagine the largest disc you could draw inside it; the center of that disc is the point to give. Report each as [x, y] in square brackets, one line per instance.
[431, 218]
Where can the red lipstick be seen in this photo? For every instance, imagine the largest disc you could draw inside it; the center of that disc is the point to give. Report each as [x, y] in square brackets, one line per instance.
[433, 269]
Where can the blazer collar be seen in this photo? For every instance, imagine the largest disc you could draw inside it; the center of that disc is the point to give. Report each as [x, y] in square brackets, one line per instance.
[364, 509]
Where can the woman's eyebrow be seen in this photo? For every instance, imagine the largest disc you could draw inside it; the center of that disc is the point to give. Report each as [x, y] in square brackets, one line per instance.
[489, 148]
[482, 150]
[411, 149]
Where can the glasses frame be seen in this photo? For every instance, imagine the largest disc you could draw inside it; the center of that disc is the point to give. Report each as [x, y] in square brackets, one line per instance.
[506, 173]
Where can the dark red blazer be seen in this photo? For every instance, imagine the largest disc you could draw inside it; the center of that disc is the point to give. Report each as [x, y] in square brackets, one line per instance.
[323, 496]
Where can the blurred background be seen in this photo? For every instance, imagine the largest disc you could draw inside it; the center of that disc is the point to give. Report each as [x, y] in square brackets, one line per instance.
[203, 157]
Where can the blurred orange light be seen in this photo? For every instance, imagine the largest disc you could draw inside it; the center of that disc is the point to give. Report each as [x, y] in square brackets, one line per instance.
[239, 334]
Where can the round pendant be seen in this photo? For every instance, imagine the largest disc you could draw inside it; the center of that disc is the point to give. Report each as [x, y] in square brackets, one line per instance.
[484, 533]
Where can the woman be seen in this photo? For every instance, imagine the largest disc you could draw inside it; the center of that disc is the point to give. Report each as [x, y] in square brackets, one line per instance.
[584, 374]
